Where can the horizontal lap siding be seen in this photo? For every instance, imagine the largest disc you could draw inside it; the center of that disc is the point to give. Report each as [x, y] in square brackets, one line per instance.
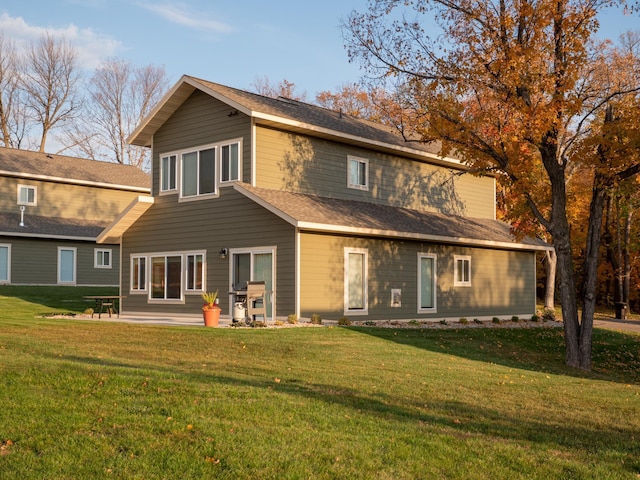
[67, 201]
[201, 120]
[503, 282]
[293, 162]
[230, 221]
[35, 262]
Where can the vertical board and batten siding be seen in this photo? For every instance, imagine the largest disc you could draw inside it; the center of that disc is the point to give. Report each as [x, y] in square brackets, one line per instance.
[294, 162]
[56, 199]
[228, 221]
[201, 120]
[502, 282]
[34, 261]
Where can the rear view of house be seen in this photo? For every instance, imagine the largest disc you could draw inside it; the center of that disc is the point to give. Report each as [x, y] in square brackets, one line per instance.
[338, 216]
[52, 208]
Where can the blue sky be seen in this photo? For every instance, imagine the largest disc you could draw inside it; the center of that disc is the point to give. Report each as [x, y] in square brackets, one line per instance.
[233, 42]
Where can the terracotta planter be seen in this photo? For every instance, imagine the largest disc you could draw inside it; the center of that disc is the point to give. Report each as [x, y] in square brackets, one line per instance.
[211, 316]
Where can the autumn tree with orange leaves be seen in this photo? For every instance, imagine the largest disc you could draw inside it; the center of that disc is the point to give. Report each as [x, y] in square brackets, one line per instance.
[514, 88]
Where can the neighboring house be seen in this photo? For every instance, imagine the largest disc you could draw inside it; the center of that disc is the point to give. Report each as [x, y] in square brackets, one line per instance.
[52, 208]
[339, 216]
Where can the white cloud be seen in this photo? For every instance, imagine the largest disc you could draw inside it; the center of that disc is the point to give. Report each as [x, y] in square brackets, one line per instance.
[180, 14]
[90, 46]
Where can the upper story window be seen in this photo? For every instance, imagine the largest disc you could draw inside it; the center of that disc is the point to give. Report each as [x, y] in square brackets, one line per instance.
[358, 175]
[27, 195]
[461, 271]
[168, 173]
[230, 162]
[200, 171]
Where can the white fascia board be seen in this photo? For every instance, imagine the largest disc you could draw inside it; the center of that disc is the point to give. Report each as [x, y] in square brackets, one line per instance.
[127, 218]
[71, 181]
[44, 235]
[371, 232]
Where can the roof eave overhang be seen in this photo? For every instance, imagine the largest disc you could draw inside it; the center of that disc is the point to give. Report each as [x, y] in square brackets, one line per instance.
[372, 232]
[142, 136]
[113, 233]
[48, 236]
[70, 181]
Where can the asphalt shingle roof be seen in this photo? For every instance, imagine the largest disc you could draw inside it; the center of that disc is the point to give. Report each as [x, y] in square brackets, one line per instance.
[24, 162]
[39, 226]
[318, 117]
[313, 209]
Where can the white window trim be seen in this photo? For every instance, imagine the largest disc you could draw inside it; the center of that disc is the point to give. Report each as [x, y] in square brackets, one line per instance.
[35, 195]
[347, 310]
[216, 172]
[177, 179]
[8, 247]
[456, 282]
[225, 144]
[96, 251]
[357, 186]
[218, 182]
[183, 275]
[433, 309]
[75, 266]
[146, 274]
[191, 291]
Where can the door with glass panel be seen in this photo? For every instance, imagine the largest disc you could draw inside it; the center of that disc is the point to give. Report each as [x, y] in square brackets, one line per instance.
[254, 265]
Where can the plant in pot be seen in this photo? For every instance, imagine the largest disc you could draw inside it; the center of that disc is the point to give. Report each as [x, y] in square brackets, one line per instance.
[210, 309]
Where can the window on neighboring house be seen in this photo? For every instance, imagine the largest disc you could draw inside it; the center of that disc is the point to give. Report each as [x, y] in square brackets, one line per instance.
[426, 283]
[230, 162]
[355, 281]
[195, 272]
[5, 263]
[138, 274]
[462, 271]
[198, 173]
[102, 258]
[168, 169]
[166, 277]
[27, 195]
[66, 265]
[358, 173]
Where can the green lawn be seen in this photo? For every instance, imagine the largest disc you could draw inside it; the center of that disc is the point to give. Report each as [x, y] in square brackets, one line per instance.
[90, 400]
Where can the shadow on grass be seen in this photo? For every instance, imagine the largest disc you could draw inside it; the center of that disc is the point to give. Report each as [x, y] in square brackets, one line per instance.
[449, 418]
[616, 355]
[65, 298]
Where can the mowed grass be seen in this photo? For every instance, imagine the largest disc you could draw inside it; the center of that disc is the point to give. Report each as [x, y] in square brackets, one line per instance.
[88, 399]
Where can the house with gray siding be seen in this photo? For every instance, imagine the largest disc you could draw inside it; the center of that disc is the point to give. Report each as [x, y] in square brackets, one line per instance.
[52, 209]
[337, 215]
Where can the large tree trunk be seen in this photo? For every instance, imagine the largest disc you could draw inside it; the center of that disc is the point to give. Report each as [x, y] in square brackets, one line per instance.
[627, 258]
[550, 263]
[596, 210]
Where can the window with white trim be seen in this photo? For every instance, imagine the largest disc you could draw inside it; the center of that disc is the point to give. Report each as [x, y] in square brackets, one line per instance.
[67, 265]
[166, 277]
[27, 195]
[355, 281]
[102, 258]
[230, 162]
[195, 272]
[198, 170]
[138, 274]
[358, 174]
[461, 271]
[168, 173]
[5, 263]
[426, 283]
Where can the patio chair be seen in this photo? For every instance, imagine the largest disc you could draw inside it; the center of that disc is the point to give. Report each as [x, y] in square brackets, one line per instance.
[256, 304]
